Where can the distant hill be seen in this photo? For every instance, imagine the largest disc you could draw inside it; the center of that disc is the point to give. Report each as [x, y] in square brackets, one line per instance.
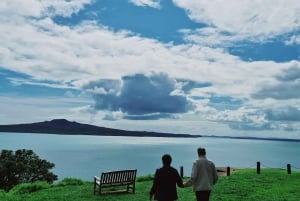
[63, 126]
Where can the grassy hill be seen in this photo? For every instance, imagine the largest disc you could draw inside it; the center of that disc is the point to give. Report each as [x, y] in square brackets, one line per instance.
[242, 185]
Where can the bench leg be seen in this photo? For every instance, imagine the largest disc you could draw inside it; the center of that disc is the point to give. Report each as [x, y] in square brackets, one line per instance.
[128, 186]
[133, 187]
[97, 188]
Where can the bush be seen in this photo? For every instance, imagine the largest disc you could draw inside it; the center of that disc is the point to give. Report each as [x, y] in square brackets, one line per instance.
[29, 187]
[70, 182]
[23, 166]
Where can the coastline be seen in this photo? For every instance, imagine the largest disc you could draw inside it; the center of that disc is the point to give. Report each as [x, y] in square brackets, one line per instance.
[65, 127]
[252, 138]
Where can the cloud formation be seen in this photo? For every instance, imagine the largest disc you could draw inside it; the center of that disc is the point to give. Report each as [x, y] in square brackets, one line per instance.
[140, 97]
[241, 20]
[248, 17]
[286, 87]
[195, 79]
[288, 113]
[150, 3]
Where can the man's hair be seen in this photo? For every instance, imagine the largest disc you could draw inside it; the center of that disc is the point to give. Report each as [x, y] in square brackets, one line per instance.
[201, 151]
[166, 159]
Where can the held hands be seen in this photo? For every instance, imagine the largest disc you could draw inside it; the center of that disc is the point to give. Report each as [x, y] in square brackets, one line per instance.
[186, 184]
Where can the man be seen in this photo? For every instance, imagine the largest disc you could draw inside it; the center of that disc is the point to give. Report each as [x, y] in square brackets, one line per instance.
[165, 181]
[203, 177]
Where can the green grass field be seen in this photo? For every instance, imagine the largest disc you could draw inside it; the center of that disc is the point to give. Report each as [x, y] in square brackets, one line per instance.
[242, 185]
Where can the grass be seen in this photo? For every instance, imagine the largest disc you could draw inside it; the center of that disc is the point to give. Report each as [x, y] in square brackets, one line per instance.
[270, 185]
[246, 185]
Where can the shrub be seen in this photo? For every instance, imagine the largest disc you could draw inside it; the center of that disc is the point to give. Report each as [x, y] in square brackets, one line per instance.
[70, 182]
[29, 187]
[23, 166]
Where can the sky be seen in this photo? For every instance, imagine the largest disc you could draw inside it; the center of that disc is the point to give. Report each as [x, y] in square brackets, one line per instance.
[180, 66]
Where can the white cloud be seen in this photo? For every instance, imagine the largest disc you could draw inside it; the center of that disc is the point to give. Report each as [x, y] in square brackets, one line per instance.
[64, 7]
[85, 52]
[79, 54]
[15, 8]
[293, 40]
[214, 37]
[88, 51]
[247, 18]
[33, 8]
[19, 81]
[28, 110]
[46, 50]
[150, 3]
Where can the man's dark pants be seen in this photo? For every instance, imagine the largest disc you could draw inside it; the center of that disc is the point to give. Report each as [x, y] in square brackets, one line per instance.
[202, 195]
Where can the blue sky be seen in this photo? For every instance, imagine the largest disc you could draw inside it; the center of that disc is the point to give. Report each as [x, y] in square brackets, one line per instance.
[181, 66]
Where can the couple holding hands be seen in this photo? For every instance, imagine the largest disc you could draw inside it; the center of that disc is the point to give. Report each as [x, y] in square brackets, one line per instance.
[203, 177]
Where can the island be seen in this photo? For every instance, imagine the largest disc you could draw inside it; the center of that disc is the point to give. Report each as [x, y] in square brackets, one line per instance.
[65, 127]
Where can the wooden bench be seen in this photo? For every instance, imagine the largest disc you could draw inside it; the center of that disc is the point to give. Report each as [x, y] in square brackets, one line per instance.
[114, 179]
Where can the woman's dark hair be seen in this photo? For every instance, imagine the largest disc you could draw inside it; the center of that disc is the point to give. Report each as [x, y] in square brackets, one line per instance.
[167, 159]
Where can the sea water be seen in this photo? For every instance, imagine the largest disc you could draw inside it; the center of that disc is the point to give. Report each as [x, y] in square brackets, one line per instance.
[81, 156]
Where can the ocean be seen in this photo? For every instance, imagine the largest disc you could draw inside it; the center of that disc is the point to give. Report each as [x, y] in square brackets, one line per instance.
[84, 157]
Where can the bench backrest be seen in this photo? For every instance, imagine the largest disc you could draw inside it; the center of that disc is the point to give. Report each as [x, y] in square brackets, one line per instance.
[118, 176]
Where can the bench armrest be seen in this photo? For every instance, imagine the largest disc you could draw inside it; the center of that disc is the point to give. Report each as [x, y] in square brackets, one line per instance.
[96, 178]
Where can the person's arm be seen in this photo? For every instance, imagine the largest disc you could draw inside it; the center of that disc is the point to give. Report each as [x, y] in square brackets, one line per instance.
[215, 174]
[191, 181]
[179, 180]
[154, 185]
